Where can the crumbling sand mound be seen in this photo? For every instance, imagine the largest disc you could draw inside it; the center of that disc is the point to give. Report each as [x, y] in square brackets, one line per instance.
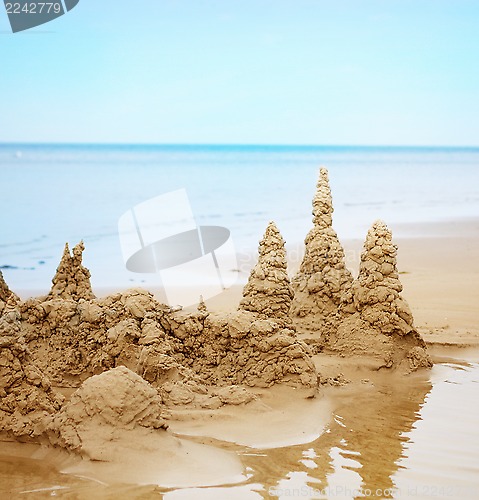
[241, 348]
[103, 407]
[268, 291]
[323, 278]
[377, 321]
[73, 336]
[356, 337]
[26, 396]
[74, 339]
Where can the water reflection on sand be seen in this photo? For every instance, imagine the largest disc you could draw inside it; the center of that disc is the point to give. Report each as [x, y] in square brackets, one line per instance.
[413, 437]
[359, 450]
[441, 456]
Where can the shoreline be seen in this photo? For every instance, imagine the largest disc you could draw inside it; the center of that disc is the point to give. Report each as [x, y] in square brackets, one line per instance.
[439, 270]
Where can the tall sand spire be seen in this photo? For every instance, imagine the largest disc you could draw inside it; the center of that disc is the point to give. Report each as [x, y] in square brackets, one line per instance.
[323, 278]
[268, 291]
[323, 201]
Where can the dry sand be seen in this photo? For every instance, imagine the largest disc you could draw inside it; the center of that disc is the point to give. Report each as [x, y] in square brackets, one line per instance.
[439, 270]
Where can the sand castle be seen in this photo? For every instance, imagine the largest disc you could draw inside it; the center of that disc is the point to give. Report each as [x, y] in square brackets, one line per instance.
[80, 338]
[199, 359]
[323, 277]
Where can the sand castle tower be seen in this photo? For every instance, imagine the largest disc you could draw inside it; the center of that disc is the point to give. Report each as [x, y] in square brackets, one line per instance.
[379, 322]
[376, 291]
[268, 291]
[72, 279]
[323, 277]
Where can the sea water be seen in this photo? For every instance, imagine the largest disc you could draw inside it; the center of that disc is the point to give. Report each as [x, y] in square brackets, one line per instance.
[52, 194]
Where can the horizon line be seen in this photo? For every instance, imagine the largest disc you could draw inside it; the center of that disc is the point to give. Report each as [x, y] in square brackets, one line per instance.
[232, 144]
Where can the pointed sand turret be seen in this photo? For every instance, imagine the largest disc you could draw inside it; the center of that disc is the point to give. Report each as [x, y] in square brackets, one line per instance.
[376, 291]
[268, 291]
[380, 323]
[72, 279]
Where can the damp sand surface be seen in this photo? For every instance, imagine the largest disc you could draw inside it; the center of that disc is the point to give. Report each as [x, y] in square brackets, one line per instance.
[379, 435]
[411, 437]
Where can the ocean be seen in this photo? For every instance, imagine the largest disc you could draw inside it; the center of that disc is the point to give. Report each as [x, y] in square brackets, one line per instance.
[52, 194]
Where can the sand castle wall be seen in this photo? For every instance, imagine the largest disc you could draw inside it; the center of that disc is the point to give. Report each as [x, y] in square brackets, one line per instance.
[4, 291]
[26, 395]
[79, 339]
[73, 338]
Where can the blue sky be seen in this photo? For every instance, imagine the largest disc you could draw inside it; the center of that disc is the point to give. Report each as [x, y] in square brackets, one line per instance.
[356, 72]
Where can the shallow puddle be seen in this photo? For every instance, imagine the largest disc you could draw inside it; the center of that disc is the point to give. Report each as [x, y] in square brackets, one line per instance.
[402, 438]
